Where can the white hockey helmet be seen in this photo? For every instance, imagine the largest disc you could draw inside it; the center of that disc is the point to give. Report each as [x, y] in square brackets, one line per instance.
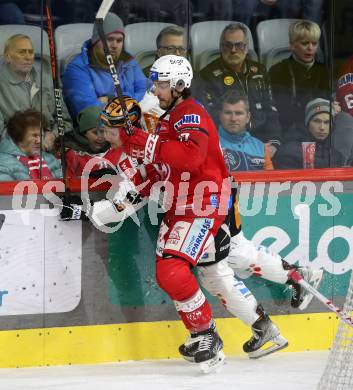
[175, 69]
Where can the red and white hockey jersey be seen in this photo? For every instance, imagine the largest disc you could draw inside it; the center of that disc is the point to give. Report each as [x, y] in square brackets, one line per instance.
[76, 161]
[190, 147]
[344, 91]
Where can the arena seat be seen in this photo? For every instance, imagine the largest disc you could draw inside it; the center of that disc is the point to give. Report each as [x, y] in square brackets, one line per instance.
[140, 40]
[69, 39]
[272, 34]
[276, 55]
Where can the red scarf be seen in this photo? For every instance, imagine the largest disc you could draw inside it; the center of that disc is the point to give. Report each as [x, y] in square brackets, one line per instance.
[33, 165]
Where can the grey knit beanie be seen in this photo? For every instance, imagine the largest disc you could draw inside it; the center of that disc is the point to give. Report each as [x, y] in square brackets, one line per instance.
[315, 107]
[112, 23]
[88, 118]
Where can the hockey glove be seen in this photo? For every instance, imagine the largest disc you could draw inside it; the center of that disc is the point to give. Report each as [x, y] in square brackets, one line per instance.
[134, 197]
[72, 209]
[141, 145]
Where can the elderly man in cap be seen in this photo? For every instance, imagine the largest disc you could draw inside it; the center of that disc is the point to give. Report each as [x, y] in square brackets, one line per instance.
[87, 80]
[319, 144]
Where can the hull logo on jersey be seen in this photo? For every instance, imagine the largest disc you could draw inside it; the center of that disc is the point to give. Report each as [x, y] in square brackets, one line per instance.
[345, 79]
[228, 80]
[189, 119]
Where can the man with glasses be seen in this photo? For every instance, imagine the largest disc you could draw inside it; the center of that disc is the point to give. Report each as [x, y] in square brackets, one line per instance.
[170, 40]
[233, 70]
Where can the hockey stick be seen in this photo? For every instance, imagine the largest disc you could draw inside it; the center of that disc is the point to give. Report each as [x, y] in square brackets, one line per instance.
[57, 90]
[296, 277]
[101, 14]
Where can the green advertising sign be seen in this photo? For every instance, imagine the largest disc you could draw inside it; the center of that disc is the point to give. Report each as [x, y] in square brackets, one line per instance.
[316, 232]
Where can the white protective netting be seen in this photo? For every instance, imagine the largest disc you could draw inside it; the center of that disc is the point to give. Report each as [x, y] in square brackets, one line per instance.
[338, 373]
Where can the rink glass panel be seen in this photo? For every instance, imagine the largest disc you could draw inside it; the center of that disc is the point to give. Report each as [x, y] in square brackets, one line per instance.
[112, 276]
[334, 18]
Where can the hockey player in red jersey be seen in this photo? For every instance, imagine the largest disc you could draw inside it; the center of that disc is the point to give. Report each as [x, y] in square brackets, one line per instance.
[187, 142]
[344, 91]
[213, 271]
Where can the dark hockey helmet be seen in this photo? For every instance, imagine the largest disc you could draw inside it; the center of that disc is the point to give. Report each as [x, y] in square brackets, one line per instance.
[112, 114]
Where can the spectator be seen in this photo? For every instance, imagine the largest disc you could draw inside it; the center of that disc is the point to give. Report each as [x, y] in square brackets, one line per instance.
[234, 71]
[298, 79]
[170, 40]
[242, 151]
[87, 80]
[21, 88]
[312, 147]
[20, 154]
[85, 142]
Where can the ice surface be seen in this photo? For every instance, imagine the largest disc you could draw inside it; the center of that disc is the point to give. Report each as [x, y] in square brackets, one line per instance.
[289, 371]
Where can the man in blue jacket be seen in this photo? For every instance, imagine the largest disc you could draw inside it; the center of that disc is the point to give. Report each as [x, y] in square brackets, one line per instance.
[87, 80]
[242, 151]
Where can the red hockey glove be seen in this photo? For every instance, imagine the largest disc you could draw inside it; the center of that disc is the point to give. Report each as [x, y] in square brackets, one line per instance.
[141, 145]
[152, 176]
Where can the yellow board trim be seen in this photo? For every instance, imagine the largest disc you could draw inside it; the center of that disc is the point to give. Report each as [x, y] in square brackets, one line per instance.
[149, 340]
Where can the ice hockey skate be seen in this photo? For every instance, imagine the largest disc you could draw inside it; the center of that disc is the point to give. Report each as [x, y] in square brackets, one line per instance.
[204, 348]
[264, 331]
[301, 298]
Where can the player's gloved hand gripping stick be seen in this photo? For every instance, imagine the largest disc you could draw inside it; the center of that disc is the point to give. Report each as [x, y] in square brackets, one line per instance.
[294, 275]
